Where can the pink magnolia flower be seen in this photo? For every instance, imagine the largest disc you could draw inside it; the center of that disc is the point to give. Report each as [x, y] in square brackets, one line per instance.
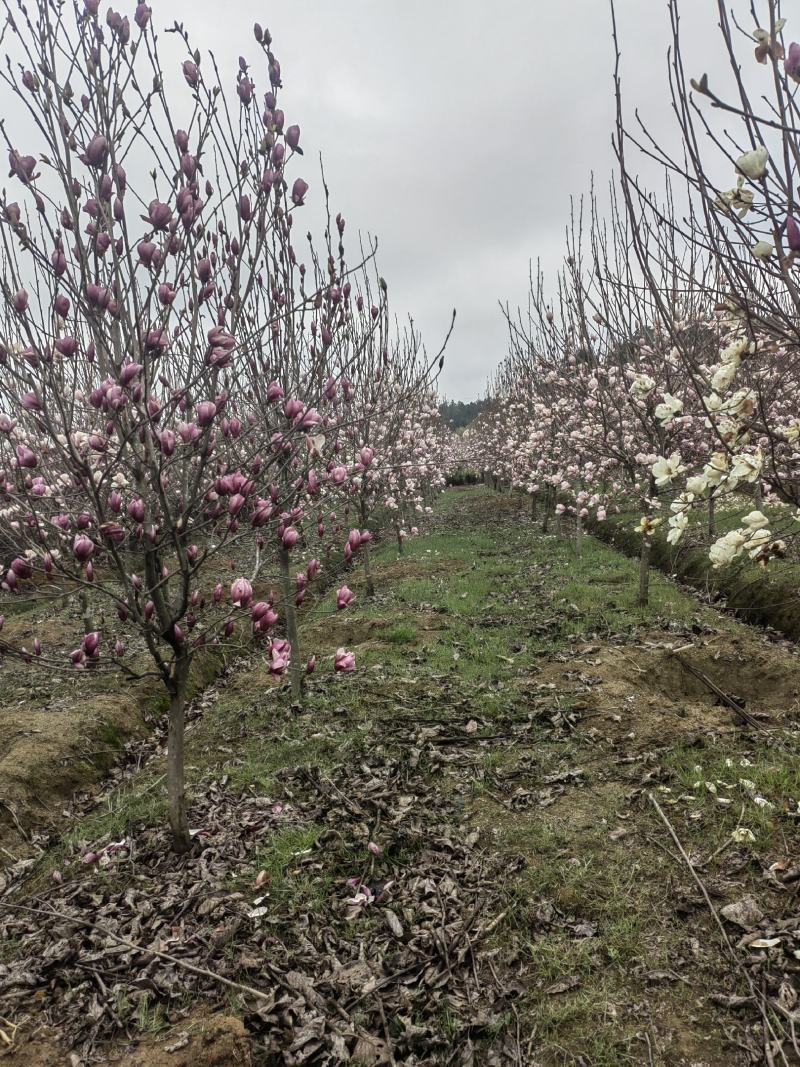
[344, 596]
[241, 593]
[344, 662]
[280, 654]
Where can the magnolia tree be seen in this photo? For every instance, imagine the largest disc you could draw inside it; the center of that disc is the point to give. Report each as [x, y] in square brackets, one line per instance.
[172, 361]
[389, 408]
[740, 162]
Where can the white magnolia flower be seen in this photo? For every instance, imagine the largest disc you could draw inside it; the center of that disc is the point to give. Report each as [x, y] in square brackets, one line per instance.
[727, 548]
[668, 409]
[697, 485]
[753, 164]
[739, 199]
[642, 386]
[723, 376]
[677, 527]
[762, 249]
[741, 835]
[716, 469]
[756, 520]
[666, 470]
[747, 466]
[757, 541]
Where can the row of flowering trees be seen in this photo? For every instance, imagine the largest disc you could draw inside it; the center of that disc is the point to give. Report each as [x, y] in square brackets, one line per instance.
[189, 384]
[662, 373]
[594, 408]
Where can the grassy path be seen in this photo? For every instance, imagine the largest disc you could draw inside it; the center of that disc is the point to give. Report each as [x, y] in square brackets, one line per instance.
[450, 857]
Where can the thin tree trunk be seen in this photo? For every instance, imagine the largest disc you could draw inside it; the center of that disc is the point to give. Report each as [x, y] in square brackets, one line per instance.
[368, 569]
[578, 533]
[546, 512]
[86, 611]
[758, 496]
[712, 516]
[176, 793]
[533, 507]
[644, 572]
[295, 667]
[399, 541]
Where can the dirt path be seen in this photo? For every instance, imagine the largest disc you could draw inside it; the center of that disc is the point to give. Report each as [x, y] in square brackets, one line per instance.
[453, 856]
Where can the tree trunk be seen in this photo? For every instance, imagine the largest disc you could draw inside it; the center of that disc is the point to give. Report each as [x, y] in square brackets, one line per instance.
[86, 611]
[758, 496]
[644, 573]
[368, 569]
[178, 823]
[578, 533]
[712, 516]
[533, 507]
[399, 541]
[295, 667]
[546, 512]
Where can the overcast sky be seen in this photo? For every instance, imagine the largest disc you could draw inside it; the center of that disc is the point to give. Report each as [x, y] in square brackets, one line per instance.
[454, 130]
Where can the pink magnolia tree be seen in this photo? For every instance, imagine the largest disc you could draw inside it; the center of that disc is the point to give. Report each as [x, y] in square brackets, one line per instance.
[170, 358]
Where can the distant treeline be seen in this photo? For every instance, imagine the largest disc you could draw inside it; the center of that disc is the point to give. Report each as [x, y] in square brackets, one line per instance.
[458, 413]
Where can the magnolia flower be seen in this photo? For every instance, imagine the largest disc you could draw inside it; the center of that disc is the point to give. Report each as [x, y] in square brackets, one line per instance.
[757, 541]
[668, 409]
[762, 249]
[746, 466]
[727, 548]
[642, 386]
[756, 520]
[715, 470]
[647, 525]
[741, 835]
[739, 199]
[792, 64]
[241, 593]
[753, 164]
[344, 596]
[677, 527]
[666, 470]
[768, 45]
[697, 485]
[344, 661]
[723, 376]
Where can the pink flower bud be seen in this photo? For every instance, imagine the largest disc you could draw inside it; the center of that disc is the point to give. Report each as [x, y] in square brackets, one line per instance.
[344, 596]
[293, 137]
[83, 548]
[241, 593]
[289, 537]
[299, 190]
[191, 73]
[97, 151]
